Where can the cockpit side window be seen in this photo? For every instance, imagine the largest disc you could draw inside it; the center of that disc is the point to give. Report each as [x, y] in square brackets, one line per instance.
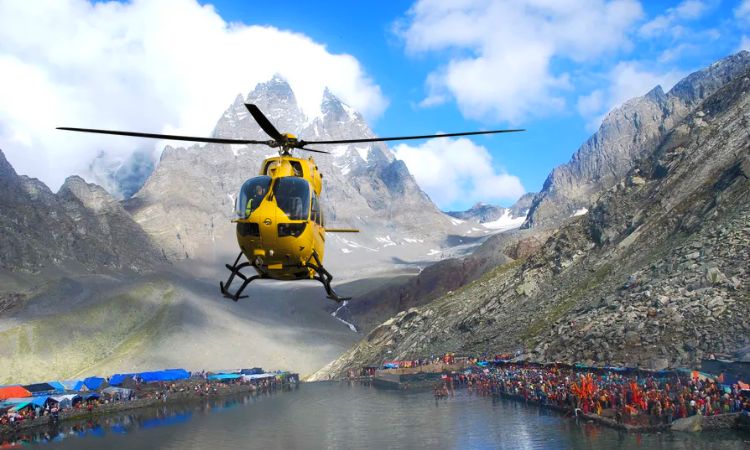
[267, 168]
[315, 209]
[296, 168]
[251, 195]
[293, 197]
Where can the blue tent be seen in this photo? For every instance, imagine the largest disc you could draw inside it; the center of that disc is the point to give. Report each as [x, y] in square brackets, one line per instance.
[59, 388]
[25, 400]
[253, 371]
[149, 377]
[118, 378]
[164, 375]
[89, 396]
[224, 376]
[39, 400]
[93, 383]
[178, 374]
[72, 385]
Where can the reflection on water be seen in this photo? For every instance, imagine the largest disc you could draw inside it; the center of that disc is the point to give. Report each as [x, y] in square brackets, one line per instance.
[130, 421]
[330, 415]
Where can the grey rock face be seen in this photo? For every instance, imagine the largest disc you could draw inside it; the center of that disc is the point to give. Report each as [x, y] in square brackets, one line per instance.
[655, 274]
[187, 203]
[82, 223]
[369, 310]
[483, 213]
[523, 205]
[627, 134]
[480, 213]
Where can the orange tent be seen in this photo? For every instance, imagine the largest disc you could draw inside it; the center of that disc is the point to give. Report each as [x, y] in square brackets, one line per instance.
[13, 392]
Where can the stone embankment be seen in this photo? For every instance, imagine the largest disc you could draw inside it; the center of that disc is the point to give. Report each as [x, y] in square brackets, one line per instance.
[707, 423]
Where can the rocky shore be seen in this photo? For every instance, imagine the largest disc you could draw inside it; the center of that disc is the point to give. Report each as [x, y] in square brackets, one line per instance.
[698, 423]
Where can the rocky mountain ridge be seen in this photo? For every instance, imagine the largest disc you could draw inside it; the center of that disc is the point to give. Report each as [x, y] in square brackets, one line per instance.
[494, 216]
[80, 224]
[655, 274]
[627, 134]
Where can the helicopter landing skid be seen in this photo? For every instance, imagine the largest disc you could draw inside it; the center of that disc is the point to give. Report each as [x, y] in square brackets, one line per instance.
[322, 275]
[236, 272]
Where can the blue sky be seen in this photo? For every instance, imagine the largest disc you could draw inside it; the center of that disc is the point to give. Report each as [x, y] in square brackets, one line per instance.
[366, 31]
[554, 68]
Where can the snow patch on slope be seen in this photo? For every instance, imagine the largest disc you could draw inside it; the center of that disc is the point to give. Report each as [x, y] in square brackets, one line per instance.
[580, 212]
[505, 222]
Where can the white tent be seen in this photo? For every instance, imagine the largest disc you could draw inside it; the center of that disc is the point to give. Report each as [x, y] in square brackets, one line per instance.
[65, 401]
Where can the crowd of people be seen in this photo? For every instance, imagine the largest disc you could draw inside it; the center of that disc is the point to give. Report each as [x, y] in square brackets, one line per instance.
[199, 385]
[634, 399]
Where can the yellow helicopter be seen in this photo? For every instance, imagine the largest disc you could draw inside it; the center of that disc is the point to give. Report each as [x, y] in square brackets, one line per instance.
[280, 225]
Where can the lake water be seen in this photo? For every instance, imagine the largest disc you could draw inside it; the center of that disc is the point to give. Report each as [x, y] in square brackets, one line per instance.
[339, 415]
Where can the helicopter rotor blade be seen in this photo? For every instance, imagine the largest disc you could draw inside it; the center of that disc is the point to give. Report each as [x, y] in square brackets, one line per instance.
[405, 138]
[171, 137]
[312, 150]
[264, 123]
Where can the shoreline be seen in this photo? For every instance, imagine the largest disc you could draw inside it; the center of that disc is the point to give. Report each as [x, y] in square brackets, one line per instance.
[569, 413]
[725, 421]
[187, 396]
[719, 422]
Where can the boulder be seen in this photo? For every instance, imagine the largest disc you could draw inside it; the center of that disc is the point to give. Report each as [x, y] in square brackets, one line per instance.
[689, 424]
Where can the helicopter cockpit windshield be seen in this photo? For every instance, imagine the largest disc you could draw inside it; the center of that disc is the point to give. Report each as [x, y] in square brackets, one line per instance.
[252, 193]
[293, 197]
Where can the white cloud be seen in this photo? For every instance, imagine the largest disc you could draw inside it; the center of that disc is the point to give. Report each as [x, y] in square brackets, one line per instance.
[675, 52]
[628, 79]
[457, 170]
[151, 65]
[592, 103]
[744, 43]
[667, 22]
[502, 52]
[742, 11]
